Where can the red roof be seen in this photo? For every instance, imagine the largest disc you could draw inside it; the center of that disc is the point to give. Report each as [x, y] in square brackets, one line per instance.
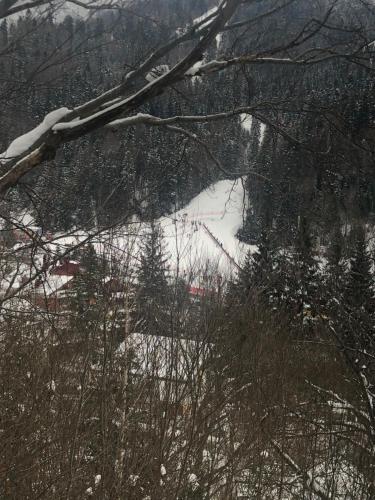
[65, 268]
[194, 290]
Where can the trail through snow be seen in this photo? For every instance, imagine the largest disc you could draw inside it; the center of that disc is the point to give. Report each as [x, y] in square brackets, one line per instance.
[198, 238]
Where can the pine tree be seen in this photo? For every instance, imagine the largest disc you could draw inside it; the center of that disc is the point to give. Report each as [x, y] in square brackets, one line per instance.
[357, 316]
[7, 238]
[359, 289]
[88, 282]
[240, 288]
[335, 275]
[153, 288]
[4, 32]
[257, 273]
[305, 267]
[335, 252]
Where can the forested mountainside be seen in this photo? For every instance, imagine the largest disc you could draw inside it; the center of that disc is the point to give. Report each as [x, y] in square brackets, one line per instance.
[187, 279]
[110, 175]
[314, 170]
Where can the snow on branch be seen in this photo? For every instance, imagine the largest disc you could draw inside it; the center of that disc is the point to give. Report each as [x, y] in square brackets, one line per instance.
[11, 7]
[205, 19]
[157, 72]
[157, 84]
[108, 107]
[142, 118]
[306, 477]
[344, 405]
[21, 144]
[92, 116]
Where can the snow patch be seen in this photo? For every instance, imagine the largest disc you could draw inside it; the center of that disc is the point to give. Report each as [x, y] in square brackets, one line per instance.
[193, 480]
[164, 358]
[246, 121]
[194, 69]
[262, 132]
[205, 230]
[199, 236]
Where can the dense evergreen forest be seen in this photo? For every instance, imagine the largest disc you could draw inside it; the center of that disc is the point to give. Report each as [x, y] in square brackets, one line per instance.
[111, 175]
[320, 175]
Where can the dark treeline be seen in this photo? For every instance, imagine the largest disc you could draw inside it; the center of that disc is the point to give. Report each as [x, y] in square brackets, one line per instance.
[322, 175]
[110, 175]
[322, 170]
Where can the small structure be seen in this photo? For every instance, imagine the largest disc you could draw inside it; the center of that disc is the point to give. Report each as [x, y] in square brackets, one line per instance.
[53, 291]
[66, 268]
[197, 292]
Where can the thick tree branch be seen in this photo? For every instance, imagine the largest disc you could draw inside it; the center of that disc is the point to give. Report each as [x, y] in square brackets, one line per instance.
[111, 105]
[11, 7]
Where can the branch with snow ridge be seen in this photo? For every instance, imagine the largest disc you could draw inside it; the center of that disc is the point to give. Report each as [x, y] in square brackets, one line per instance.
[11, 7]
[121, 101]
[306, 477]
[92, 116]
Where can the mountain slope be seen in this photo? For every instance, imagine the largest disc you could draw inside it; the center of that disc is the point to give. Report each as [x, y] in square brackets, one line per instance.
[205, 230]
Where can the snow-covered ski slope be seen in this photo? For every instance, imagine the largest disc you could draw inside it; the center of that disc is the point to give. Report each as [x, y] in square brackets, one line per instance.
[198, 238]
[204, 232]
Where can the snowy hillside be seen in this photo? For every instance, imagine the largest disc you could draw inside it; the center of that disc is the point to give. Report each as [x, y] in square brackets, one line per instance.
[204, 231]
[201, 234]
[199, 237]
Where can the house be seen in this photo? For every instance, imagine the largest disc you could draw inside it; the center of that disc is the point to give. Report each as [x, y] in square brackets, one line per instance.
[53, 290]
[197, 292]
[66, 268]
[53, 294]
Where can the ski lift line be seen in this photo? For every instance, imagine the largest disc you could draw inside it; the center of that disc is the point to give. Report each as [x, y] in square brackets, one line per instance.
[219, 245]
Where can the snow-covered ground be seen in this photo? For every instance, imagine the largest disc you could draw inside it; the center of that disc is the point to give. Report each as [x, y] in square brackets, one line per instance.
[165, 357]
[200, 239]
[205, 230]
[246, 123]
[200, 234]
